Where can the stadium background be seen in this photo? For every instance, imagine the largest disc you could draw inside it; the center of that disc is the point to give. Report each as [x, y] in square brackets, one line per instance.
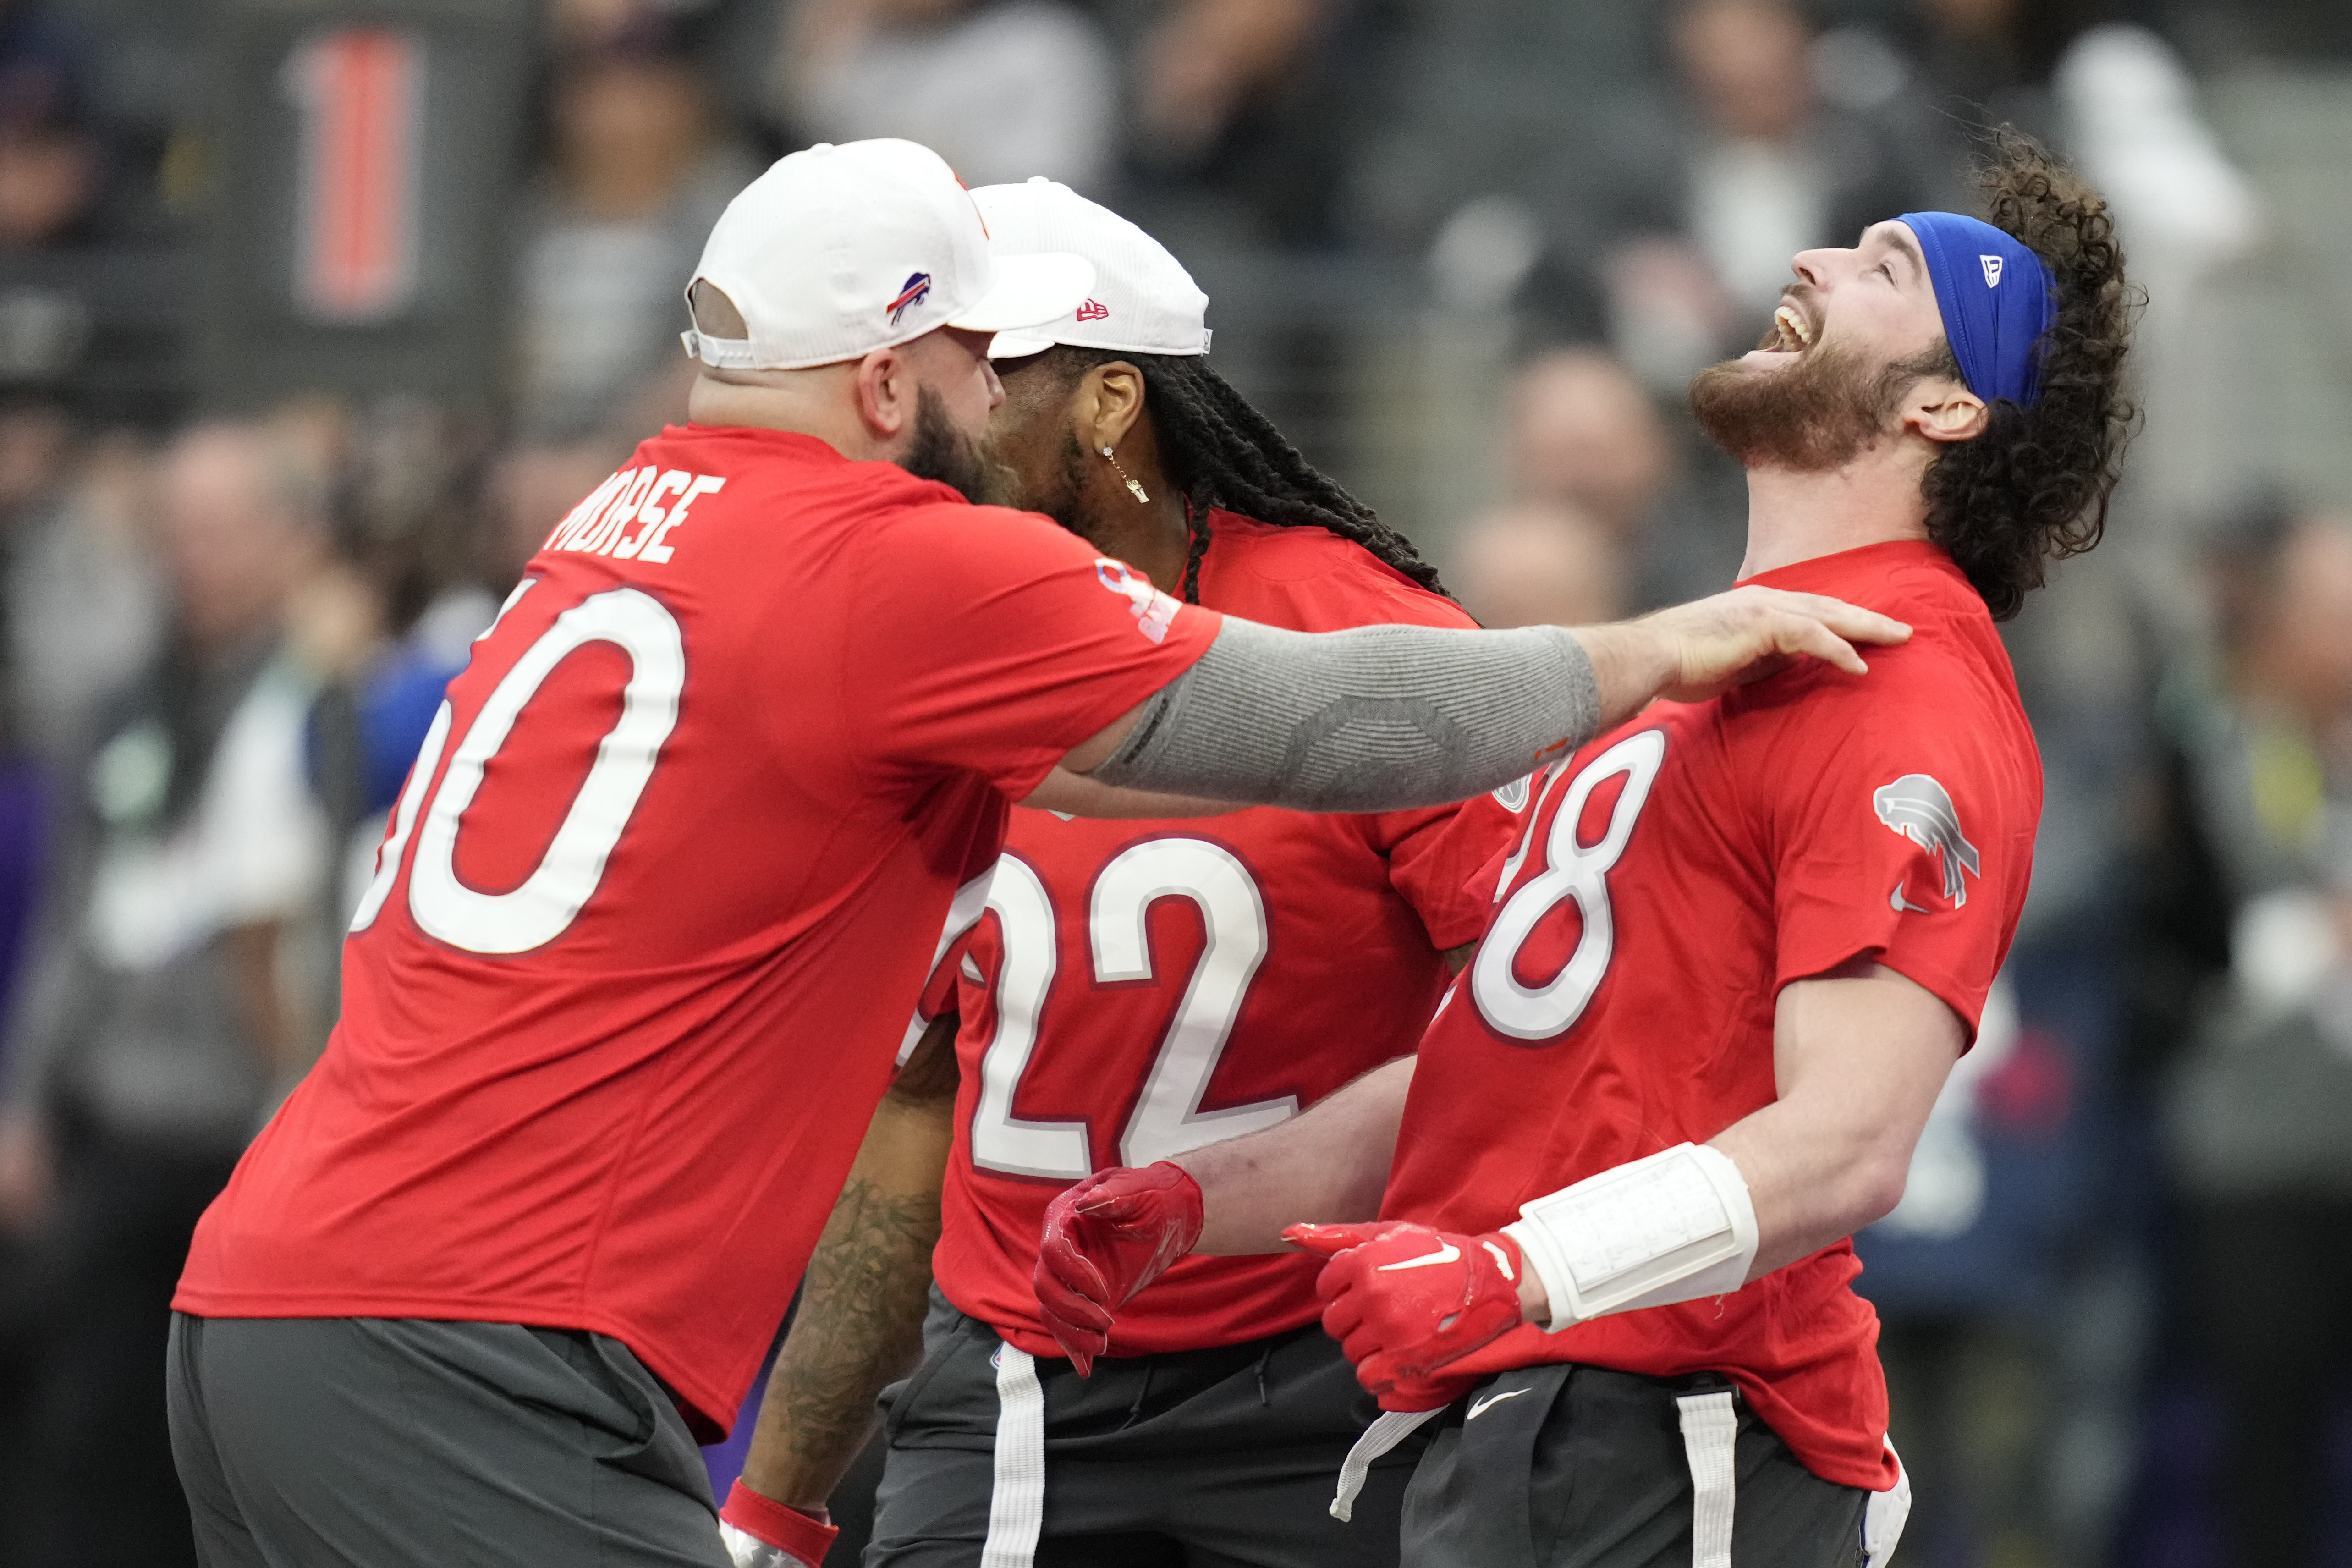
[426, 255]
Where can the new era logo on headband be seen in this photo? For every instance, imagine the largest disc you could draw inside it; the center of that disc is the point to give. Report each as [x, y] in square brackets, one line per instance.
[1993, 271]
[913, 292]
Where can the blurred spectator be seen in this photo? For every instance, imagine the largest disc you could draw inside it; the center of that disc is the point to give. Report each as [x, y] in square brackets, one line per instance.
[83, 604]
[1197, 71]
[532, 489]
[638, 175]
[1000, 91]
[1683, 223]
[1581, 432]
[387, 622]
[1983, 53]
[1541, 563]
[2130, 115]
[162, 1018]
[2258, 1109]
[51, 160]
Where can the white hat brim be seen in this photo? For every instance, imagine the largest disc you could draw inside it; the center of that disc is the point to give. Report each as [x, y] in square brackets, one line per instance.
[1019, 345]
[1029, 290]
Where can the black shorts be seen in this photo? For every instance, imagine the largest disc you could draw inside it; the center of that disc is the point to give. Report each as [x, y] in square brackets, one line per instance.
[1579, 1467]
[400, 1443]
[1204, 1458]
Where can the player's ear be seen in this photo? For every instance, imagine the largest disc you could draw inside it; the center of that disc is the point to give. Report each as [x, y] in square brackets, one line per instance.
[1943, 410]
[1109, 401]
[884, 391]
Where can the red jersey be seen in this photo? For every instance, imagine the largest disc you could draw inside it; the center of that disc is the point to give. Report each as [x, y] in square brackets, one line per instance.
[1674, 875]
[706, 791]
[1142, 988]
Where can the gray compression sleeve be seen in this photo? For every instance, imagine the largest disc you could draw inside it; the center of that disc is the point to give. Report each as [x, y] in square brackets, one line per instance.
[1375, 719]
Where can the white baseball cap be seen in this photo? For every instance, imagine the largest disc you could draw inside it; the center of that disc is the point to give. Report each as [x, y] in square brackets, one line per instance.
[1142, 301]
[839, 250]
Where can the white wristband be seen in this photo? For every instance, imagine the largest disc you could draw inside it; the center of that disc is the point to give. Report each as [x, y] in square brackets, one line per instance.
[1676, 1226]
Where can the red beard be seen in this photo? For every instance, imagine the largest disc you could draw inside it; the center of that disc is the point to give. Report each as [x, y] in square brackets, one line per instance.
[1814, 415]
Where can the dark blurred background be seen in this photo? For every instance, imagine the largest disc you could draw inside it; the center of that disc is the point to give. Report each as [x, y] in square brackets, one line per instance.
[315, 315]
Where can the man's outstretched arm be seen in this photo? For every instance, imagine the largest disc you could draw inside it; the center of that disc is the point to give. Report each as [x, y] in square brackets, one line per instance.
[1384, 718]
[1332, 1158]
[860, 1324]
[1113, 1234]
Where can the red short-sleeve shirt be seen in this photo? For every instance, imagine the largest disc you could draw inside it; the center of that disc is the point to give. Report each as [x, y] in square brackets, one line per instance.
[616, 1007]
[1669, 880]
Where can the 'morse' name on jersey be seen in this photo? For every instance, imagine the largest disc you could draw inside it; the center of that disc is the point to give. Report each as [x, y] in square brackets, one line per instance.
[600, 525]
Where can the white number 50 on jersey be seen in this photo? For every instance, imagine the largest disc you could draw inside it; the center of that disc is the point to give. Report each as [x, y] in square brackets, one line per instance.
[548, 901]
[1571, 870]
[1168, 1118]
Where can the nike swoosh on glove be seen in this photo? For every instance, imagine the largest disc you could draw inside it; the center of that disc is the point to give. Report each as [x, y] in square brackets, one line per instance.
[1105, 1238]
[760, 1532]
[1404, 1301]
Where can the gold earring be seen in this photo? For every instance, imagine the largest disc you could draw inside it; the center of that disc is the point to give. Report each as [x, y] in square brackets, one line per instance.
[1131, 485]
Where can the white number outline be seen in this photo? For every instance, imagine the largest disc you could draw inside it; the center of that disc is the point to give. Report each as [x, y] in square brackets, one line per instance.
[1029, 958]
[546, 902]
[1571, 872]
[1167, 1119]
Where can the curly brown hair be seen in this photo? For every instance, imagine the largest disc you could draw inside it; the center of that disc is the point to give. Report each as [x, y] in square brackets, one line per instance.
[2033, 487]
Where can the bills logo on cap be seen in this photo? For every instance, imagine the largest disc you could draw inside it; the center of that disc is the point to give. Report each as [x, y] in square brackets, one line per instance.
[1093, 310]
[1993, 271]
[916, 288]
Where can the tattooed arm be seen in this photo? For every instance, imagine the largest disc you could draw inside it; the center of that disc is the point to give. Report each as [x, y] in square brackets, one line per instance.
[861, 1315]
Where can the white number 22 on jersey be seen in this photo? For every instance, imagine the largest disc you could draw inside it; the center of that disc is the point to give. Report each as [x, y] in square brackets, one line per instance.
[1168, 1118]
[1571, 870]
[548, 901]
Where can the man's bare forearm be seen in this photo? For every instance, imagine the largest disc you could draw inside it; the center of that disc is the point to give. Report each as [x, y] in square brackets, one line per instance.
[1330, 1164]
[860, 1325]
[1860, 1056]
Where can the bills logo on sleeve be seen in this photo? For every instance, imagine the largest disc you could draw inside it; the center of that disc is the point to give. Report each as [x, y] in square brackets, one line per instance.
[1152, 609]
[1921, 810]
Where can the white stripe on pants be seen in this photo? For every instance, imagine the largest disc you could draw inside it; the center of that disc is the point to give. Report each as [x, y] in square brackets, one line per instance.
[1710, 1447]
[1016, 1506]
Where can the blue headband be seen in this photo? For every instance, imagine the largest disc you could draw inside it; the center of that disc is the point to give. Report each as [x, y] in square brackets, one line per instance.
[1994, 295]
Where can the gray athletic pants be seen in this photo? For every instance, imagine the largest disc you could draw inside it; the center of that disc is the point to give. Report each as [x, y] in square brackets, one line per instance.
[1581, 1466]
[1213, 1458]
[399, 1443]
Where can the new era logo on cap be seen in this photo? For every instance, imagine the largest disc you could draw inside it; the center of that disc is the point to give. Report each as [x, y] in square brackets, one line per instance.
[913, 292]
[1993, 271]
[1142, 300]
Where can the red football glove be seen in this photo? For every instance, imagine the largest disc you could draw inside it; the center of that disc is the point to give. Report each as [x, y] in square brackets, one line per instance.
[761, 1533]
[1105, 1238]
[1404, 1301]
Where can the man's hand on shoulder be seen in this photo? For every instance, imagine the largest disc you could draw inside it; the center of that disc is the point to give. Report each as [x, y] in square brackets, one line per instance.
[1692, 652]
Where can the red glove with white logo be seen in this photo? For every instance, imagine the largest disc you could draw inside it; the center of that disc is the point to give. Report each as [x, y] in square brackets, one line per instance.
[1105, 1238]
[761, 1533]
[1404, 1301]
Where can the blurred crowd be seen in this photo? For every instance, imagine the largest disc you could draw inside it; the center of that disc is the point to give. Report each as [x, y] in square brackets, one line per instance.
[2116, 1300]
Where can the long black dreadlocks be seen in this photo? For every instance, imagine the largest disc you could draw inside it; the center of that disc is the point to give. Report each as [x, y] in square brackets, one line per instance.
[1223, 452]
